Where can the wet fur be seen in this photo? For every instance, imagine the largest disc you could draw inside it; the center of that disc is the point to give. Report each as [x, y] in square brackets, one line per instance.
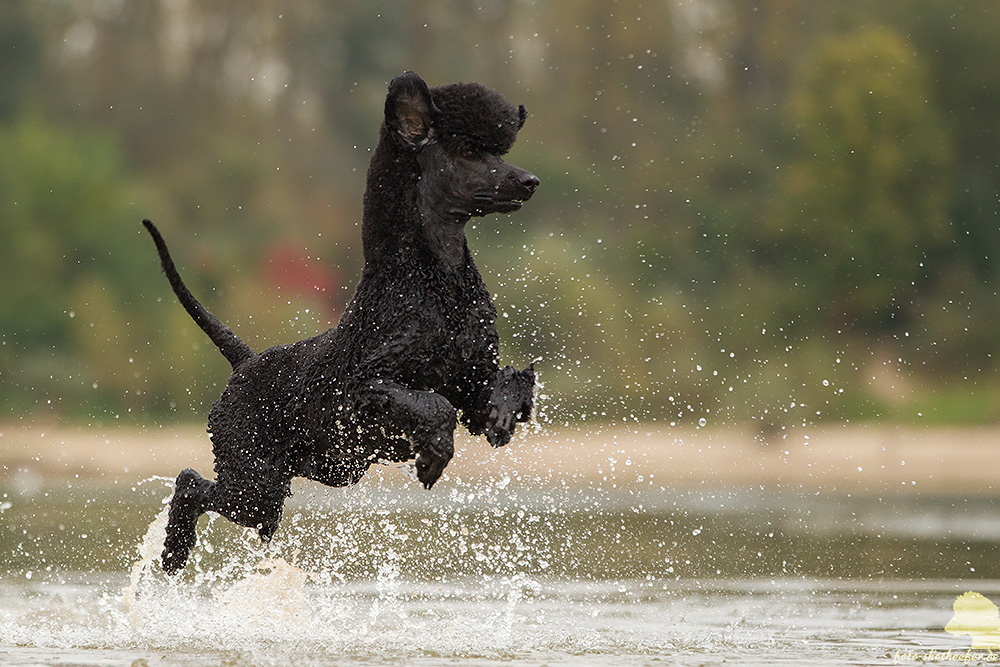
[415, 352]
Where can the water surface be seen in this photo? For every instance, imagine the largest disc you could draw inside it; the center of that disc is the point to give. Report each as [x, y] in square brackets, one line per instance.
[496, 575]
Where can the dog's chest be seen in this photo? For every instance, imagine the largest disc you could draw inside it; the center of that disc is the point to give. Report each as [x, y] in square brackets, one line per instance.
[426, 328]
[459, 339]
[464, 331]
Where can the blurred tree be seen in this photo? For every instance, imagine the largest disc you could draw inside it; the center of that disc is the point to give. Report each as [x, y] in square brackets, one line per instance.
[20, 55]
[961, 50]
[64, 200]
[755, 190]
[862, 206]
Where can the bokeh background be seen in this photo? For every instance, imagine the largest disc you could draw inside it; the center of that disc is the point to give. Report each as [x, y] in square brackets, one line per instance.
[758, 214]
[758, 282]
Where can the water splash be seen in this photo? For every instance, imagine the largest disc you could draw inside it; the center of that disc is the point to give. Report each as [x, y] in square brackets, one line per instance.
[488, 573]
[274, 597]
[519, 588]
[387, 603]
[256, 596]
[149, 552]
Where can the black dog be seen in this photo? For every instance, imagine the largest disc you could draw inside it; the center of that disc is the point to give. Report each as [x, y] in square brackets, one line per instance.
[416, 350]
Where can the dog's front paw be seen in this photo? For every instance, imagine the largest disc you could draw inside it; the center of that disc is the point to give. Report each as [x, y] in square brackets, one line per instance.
[499, 427]
[431, 461]
[512, 401]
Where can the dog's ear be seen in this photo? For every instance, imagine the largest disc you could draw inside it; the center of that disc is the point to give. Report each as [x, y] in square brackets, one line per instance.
[410, 111]
[522, 115]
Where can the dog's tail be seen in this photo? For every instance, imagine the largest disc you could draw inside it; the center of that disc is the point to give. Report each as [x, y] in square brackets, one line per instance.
[232, 348]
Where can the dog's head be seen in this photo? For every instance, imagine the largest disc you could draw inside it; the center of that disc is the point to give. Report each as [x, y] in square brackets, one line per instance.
[459, 133]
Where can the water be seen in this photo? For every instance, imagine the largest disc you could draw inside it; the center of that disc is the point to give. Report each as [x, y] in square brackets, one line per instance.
[280, 618]
[493, 574]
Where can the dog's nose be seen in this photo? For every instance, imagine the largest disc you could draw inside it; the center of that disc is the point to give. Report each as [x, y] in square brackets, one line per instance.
[529, 181]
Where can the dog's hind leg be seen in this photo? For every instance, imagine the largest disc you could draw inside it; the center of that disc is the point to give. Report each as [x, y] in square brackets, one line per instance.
[192, 496]
[251, 504]
[251, 492]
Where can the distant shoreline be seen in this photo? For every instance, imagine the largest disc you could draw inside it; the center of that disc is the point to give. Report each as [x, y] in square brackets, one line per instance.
[850, 459]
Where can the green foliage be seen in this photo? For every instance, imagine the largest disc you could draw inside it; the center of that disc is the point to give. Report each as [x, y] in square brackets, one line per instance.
[862, 206]
[745, 210]
[63, 202]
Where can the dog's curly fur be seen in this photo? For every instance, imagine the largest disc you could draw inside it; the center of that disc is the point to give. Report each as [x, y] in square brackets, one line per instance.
[416, 350]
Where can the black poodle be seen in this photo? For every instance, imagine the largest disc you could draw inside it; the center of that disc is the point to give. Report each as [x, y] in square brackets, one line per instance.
[416, 350]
